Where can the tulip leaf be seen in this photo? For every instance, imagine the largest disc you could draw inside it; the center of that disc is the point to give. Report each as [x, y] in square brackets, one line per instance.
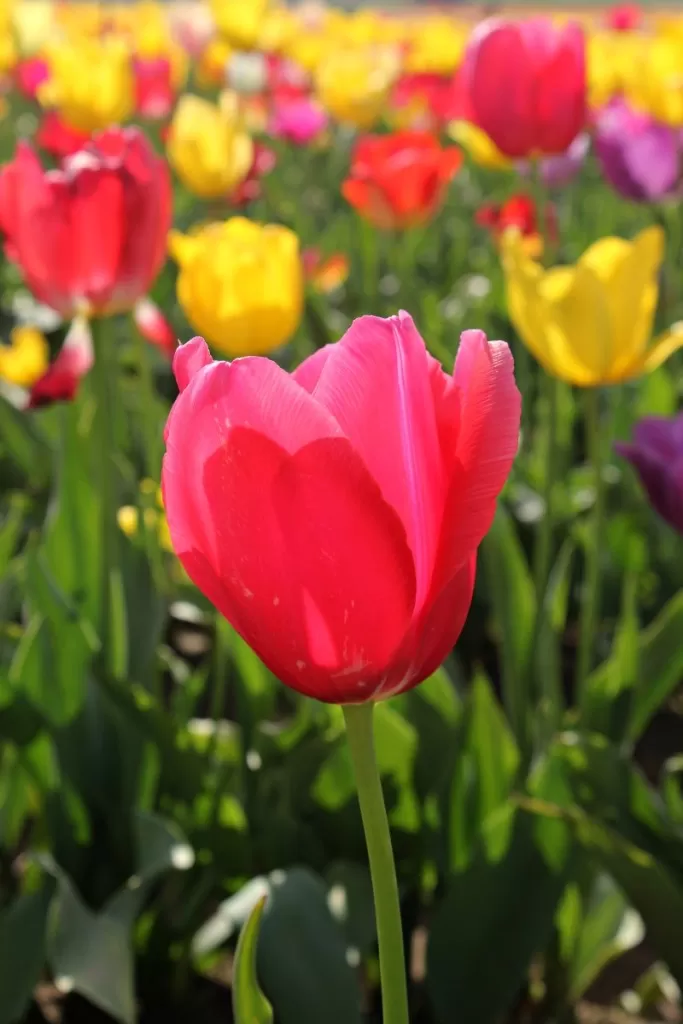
[621, 822]
[24, 443]
[658, 654]
[496, 915]
[23, 926]
[513, 599]
[250, 1006]
[91, 953]
[302, 954]
[486, 765]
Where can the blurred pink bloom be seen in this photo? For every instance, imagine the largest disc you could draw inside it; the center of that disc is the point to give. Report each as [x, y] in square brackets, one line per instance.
[298, 121]
[29, 74]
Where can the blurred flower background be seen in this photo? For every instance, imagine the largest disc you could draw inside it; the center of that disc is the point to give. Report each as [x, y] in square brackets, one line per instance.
[259, 176]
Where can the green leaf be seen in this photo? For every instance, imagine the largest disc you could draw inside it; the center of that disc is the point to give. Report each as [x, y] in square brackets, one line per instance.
[302, 956]
[24, 443]
[396, 746]
[50, 664]
[609, 927]
[659, 655]
[91, 954]
[250, 1006]
[511, 591]
[486, 764]
[496, 915]
[22, 940]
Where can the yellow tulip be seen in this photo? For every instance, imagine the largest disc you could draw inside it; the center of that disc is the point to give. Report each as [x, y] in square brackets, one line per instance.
[26, 358]
[208, 147]
[213, 61]
[655, 82]
[34, 23]
[240, 284]
[478, 145]
[437, 46]
[240, 21]
[591, 323]
[91, 82]
[353, 84]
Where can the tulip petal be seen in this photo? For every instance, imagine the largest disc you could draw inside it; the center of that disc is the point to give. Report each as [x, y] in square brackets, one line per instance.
[498, 66]
[189, 359]
[397, 436]
[349, 553]
[307, 374]
[663, 347]
[487, 444]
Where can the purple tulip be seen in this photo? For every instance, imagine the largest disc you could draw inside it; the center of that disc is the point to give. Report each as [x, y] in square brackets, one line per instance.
[656, 452]
[641, 158]
[558, 171]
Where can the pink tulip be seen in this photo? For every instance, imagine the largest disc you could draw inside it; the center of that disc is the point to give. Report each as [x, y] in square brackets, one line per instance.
[299, 121]
[333, 515]
[527, 84]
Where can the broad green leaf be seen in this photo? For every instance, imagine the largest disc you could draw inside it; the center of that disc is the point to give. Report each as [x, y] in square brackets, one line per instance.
[302, 955]
[250, 1006]
[350, 900]
[495, 916]
[22, 940]
[91, 954]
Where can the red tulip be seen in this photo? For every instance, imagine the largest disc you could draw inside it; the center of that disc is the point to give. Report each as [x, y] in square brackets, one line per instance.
[62, 378]
[91, 237]
[400, 180]
[429, 99]
[154, 90]
[527, 84]
[519, 212]
[333, 516]
[58, 138]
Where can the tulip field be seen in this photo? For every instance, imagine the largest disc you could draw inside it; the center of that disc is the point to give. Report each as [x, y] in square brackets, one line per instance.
[341, 514]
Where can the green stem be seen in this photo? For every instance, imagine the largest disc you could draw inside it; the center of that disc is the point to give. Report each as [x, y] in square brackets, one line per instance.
[590, 605]
[544, 545]
[151, 429]
[359, 730]
[104, 376]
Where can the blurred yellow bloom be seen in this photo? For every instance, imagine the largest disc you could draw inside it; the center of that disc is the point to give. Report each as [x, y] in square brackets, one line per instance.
[278, 26]
[91, 82]
[240, 21]
[208, 146]
[26, 358]
[610, 61]
[154, 516]
[9, 53]
[309, 48]
[34, 23]
[354, 84]
[590, 323]
[655, 84]
[437, 45]
[80, 20]
[478, 145]
[240, 284]
[212, 64]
